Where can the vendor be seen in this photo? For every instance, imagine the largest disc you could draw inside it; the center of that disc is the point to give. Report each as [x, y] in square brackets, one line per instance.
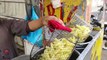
[9, 28]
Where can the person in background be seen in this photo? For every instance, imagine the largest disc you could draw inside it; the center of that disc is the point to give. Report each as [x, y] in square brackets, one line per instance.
[9, 28]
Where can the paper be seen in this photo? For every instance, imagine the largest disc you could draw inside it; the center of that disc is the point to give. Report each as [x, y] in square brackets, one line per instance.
[56, 3]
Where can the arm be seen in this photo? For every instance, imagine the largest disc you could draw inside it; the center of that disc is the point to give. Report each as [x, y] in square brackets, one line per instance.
[35, 24]
[21, 27]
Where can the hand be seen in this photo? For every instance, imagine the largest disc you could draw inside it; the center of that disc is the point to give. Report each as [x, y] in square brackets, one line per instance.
[52, 24]
[55, 23]
[47, 18]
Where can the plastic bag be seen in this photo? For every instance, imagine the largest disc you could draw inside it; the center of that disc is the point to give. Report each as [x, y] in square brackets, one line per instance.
[36, 36]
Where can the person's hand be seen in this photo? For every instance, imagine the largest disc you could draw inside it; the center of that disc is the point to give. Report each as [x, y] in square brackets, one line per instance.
[47, 18]
[55, 23]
